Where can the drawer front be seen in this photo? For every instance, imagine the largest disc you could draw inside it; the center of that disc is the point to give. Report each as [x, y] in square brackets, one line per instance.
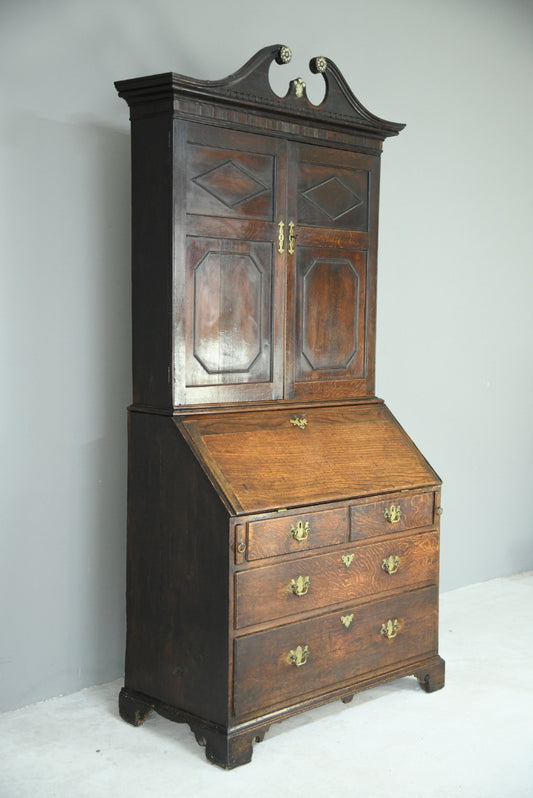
[277, 591]
[289, 662]
[294, 533]
[391, 515]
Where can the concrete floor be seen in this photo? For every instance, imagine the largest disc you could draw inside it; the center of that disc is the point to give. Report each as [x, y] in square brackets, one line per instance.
[474, 738]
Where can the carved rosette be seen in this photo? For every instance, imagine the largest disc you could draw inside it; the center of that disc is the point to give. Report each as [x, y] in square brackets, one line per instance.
[284, 54]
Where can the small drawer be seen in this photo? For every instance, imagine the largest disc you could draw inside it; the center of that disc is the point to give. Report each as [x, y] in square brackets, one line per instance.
[295, 660]
[394, 514]
[288, 588]
[295, 533]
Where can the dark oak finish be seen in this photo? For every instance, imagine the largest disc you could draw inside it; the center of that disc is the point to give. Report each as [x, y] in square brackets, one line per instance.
[283, 529]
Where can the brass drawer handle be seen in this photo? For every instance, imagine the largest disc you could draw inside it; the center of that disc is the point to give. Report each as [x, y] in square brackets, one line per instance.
[299, 656]
[391, 564]
[300, 586]
[393, 513]
[390, 629]
[300, 532]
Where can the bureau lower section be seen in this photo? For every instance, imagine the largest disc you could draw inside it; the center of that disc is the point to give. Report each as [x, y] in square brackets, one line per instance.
[239, 620]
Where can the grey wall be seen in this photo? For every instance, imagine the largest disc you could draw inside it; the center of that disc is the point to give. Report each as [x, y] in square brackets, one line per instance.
[455, 338]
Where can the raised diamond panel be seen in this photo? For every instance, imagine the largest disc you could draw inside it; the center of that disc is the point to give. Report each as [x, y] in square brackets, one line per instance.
[333, 198]
[230, 184]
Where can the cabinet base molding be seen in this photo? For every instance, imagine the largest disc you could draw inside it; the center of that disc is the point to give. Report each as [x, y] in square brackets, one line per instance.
[229, 748]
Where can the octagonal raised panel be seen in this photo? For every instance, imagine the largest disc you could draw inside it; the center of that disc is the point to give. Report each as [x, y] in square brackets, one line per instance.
[330, 314]
[227, 312]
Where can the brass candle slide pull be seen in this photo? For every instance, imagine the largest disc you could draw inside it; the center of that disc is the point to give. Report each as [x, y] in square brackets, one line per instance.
[300, 586]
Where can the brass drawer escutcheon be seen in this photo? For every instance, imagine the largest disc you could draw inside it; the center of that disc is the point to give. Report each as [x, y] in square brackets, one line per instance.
[347, 559]
[300, 532]
[347, 619]
[300, 586]
[299, 656]
[393, 513]
[391, 564]
[390, 629]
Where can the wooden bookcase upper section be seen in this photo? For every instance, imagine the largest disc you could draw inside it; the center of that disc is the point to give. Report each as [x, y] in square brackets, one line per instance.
[255, 223]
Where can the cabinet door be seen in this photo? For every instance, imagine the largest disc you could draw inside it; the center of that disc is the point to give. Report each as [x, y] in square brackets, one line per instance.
[331, 306]
[231, 280]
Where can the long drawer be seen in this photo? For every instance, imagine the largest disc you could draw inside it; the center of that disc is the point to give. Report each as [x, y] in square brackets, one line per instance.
[312, 582]
[294, 660]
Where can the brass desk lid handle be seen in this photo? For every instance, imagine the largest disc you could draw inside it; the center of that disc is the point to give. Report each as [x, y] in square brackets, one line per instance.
[300, 586]
[299, 656]
[393, 513]
[391, 564]
[300, 532]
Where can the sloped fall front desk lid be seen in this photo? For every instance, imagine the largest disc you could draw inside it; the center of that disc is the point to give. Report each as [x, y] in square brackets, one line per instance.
[266, 459]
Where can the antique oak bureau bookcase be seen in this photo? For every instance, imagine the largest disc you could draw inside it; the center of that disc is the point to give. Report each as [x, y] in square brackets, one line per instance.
[283, 530]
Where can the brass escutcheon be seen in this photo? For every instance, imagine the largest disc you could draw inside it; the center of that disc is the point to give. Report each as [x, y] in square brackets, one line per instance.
[347, 619]
[300, 532]
[292, 239]
[391, 564]
[390, 629]
[299, 656]
[300, 586]
[393, 514]
[299, 421]
[281, 238]
[347, 559]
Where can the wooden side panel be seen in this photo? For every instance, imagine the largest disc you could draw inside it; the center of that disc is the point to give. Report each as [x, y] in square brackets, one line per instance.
[265, 675]
[177, 574]
[151, 143]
